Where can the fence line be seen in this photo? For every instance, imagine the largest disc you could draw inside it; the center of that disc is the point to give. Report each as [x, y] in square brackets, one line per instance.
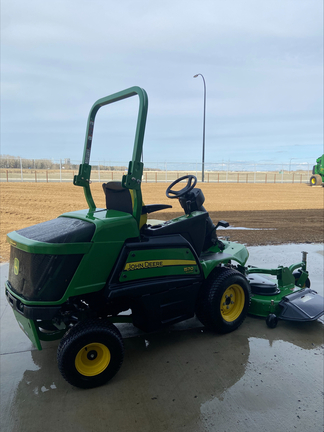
[25, 170]
[50, 176]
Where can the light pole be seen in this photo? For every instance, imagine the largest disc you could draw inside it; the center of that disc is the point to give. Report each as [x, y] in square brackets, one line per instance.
[204, 123]
[290, 164]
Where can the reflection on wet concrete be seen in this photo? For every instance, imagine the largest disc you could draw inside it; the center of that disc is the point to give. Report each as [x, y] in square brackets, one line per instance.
[164, 380]
[13, 370]
[181, 379]
[282, 389]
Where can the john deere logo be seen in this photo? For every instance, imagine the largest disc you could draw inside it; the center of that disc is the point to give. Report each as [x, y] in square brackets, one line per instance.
[152, 264]
[16, 266]
[143, 265]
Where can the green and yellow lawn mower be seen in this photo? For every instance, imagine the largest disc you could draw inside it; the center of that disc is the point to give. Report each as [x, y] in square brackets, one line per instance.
[73, 278]
[317, 178]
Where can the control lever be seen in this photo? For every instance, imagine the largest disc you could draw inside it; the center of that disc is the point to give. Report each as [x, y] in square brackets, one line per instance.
[219, 243]
[223, 224]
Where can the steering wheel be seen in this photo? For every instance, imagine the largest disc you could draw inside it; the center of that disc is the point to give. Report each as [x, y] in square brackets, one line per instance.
[191, 183]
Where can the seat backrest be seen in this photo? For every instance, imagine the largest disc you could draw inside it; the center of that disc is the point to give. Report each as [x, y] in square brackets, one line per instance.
[121, 199]
[117, 197]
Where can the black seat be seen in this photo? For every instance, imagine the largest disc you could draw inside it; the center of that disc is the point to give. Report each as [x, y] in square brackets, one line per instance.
[193, 229]
[121, 199]
[117, 197]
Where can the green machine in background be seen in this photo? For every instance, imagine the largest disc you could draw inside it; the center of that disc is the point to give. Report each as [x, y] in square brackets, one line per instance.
[318, 172]
[73, 278]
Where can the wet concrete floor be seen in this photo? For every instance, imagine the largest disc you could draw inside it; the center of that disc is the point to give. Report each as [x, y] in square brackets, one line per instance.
[181, 379]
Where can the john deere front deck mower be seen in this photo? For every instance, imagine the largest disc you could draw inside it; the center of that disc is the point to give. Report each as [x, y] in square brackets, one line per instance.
[317, 178]
[73, 278]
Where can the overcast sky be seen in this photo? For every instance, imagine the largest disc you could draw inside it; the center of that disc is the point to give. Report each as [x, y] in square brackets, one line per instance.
[262, 61]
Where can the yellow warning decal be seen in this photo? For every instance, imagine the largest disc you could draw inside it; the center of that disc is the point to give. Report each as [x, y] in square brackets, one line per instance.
[140, 265]
[16, 266]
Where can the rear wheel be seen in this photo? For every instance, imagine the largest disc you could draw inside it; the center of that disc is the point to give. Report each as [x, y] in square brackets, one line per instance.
[91, 353]
[224, 301]
[315, 180]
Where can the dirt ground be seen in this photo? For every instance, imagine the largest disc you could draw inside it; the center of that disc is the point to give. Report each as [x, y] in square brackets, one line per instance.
[283, 213]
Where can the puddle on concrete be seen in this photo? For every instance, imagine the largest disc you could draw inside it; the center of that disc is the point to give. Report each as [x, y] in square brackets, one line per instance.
[243, 228]
[281, 389]
[189, 380]
[13, 370]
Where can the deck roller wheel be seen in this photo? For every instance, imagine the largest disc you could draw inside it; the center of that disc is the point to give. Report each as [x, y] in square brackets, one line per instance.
[297, 275]
[272, 321]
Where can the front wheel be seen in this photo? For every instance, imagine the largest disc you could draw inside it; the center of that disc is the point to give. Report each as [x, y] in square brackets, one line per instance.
[91, 353]
[315, 180]
[224, 301]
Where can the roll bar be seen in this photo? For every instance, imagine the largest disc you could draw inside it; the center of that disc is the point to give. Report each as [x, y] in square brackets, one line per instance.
[132, 180]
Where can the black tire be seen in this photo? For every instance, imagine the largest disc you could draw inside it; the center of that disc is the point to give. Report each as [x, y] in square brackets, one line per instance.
[315, 180]
[297, 275]
[90, 353]
[272, 321]
[224, 301]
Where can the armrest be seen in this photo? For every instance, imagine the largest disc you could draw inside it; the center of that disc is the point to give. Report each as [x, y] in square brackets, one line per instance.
[154, 207]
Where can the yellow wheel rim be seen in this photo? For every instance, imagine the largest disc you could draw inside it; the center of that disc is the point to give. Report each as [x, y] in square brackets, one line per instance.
[313, 181]
[92, 359]
[232, 303]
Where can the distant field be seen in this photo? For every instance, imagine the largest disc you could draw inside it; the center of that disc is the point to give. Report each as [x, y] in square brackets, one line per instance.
[295, 211]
